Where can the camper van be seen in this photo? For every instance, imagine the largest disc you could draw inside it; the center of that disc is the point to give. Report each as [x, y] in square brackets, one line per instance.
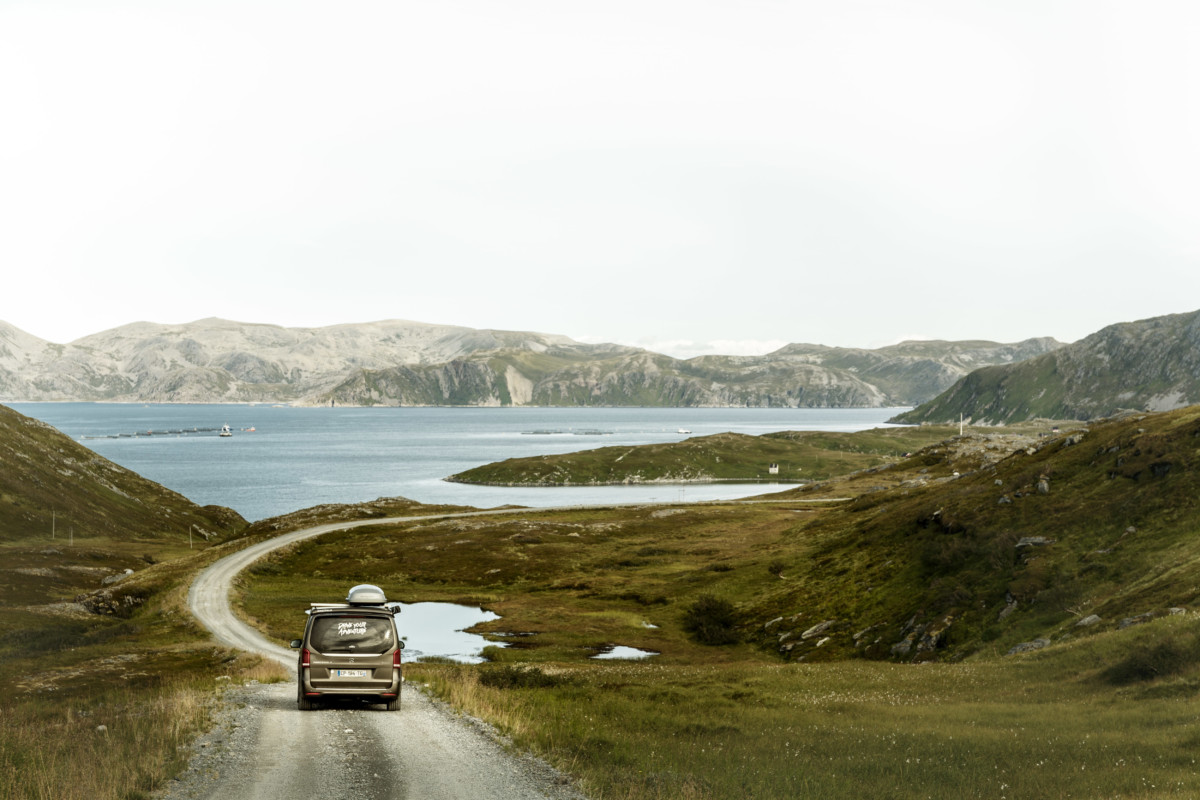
[350, 650]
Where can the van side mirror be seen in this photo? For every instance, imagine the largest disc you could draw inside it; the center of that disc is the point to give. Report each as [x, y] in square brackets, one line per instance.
[295, 644]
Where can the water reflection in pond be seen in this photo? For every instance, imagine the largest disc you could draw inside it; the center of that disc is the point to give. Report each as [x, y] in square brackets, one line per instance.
[438, 630]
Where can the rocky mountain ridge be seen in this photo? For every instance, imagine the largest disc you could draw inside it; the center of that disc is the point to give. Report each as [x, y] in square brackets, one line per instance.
[1147, 365]
[397, 362]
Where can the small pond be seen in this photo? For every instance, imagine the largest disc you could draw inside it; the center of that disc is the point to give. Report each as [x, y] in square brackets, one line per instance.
[438, 630]
[625, 653]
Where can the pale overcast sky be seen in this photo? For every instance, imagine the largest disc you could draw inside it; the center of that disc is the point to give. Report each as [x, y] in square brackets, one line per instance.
[689, 177]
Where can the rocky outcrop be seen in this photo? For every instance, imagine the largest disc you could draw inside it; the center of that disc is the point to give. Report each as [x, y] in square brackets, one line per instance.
[110, 604]
[1028, 647]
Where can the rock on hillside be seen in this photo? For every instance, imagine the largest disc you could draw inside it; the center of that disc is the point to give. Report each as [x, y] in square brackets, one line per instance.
[408, 363]
[1149, 365]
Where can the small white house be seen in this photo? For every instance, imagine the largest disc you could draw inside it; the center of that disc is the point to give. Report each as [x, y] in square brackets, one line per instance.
[773, 469]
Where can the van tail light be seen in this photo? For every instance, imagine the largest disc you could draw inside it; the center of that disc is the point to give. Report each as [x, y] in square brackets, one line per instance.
[305, 658]
[396, 659]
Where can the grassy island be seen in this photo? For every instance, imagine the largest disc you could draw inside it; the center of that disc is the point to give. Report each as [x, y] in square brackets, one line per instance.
[787, 457]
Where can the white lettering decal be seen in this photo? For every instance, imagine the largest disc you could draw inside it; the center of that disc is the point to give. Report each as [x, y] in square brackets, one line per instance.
[358, 628]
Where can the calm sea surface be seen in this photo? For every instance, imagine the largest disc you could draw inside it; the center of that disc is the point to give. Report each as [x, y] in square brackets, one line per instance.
[300, 457]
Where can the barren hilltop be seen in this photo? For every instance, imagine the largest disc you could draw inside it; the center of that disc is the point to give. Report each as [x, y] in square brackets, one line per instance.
[395, 362]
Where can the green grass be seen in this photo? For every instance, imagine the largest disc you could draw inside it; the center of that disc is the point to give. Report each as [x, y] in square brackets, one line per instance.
[1005, 394]
[146, 673]
[580, 580]
[1043, 726]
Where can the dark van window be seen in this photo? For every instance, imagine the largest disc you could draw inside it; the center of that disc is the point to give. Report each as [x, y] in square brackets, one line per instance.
[357, 634]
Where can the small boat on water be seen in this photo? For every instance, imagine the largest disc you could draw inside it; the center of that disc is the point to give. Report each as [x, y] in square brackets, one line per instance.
[225, 431]
[683, 430]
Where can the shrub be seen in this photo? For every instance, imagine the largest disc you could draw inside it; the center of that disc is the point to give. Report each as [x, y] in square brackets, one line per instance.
[1158, 661]
[518, 678]
[711, 620]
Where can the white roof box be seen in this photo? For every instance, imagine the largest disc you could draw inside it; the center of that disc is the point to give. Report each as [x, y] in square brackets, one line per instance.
[366, 595]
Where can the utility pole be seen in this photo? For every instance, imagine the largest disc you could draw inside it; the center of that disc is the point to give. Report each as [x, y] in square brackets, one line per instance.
[53, 522]
[190, 535]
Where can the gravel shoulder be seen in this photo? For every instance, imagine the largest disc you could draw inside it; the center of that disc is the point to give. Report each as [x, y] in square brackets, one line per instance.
[262, 746]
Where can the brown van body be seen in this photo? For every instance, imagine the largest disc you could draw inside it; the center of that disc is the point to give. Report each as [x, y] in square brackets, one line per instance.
[349, 651]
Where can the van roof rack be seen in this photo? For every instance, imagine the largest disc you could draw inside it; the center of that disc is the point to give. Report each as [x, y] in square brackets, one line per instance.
[394, 607]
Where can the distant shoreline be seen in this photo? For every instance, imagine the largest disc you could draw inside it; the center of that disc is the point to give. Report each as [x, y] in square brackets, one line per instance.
[652, 482]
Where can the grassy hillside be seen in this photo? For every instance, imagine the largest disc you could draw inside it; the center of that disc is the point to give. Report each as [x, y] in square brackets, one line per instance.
[799, 455]
[92, 629]
[1149, 365]
[912, 372]
[1095, 521]
[1001, 395]
[107, 681]
[106, 675]
[69, 518]
[51, 484]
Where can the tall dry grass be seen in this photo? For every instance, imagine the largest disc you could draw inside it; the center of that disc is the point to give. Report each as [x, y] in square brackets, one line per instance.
[122, 745]
[993, 729]
[112, 734]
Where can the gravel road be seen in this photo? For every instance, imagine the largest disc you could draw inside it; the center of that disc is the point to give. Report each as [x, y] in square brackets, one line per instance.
[263, 747]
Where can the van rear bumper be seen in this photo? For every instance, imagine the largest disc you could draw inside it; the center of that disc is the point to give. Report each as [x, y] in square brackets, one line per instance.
[350, 686]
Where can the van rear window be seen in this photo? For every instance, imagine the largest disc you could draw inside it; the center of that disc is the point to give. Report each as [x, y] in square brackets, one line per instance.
[357, 634]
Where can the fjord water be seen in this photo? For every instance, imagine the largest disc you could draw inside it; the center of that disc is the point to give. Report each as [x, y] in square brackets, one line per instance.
[300, 457]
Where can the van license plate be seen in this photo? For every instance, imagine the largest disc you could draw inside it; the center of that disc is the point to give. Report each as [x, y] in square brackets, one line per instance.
[351, 673]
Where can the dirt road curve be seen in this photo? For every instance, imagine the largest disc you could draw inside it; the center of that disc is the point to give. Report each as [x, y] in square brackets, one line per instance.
[263, 747]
